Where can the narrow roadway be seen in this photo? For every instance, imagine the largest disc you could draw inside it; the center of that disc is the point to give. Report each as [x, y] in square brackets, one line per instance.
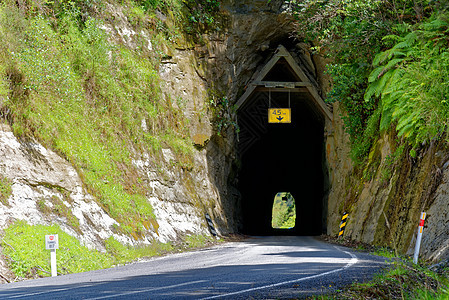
[257, 268]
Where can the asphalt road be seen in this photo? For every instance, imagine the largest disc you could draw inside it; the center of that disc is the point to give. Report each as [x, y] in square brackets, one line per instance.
[257, 268]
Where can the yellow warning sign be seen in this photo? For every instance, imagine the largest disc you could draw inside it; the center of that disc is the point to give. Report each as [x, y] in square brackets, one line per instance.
[279, 115]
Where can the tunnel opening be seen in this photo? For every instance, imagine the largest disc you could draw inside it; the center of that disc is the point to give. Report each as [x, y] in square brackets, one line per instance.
[284, 211]
[281, 156]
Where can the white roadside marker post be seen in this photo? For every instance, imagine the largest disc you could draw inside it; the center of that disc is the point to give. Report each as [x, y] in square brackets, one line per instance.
[52, 243]
[419, 237]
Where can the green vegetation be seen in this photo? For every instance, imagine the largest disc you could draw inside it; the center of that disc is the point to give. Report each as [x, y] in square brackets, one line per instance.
[197, 241]
[284, 211]
[401, 281]
[411, 80]
[66, 84]
[86, 98]
[57, 207]
[95, 98]
[5, 190]
[222, 111]
[24, 246]
[121, 254]
[203, 16]
[399, 82]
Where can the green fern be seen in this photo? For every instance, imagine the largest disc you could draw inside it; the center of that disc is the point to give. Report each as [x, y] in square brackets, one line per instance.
[411, 80]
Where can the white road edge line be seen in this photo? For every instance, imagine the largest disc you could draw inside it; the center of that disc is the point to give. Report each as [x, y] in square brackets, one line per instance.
[40, 293]
[108, 296]
[352, 262]
[147, 290]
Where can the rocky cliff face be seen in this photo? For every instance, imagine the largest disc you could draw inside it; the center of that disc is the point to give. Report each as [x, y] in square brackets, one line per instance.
[46, 189]
[385, 198]
[42, 182]
[384, 206]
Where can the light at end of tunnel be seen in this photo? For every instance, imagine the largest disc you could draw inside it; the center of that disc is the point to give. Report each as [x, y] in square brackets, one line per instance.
[284, 211]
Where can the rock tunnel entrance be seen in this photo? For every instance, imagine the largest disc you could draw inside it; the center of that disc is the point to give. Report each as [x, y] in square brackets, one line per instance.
[285, 157]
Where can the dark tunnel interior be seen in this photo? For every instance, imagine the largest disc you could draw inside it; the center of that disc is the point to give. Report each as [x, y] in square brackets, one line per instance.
[283, 158]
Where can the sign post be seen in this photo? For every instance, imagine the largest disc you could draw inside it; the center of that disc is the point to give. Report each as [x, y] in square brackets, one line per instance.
[419, 237]
[52, 243]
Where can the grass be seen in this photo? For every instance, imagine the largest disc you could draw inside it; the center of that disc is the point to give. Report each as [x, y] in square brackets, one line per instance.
[197, 241]
[56, 206]
[122, 254]
[385, 252]
[402, 281]
[98, 103]
[5, 189]
[86, 98]
[23, 246]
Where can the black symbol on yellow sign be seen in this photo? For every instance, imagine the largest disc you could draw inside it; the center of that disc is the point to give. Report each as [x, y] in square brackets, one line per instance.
[279, 115]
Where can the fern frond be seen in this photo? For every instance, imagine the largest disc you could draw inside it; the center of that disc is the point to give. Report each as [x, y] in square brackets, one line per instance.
[411, 38]
[410, 125]
[374, 75]
[392, 63]
[402, 45]
[399, 112]
[380, 58]
[405, 131]
[392, 37]
[396, 53]
[386, 119]
[383, 82]
[435, 25]
[389, 99]
[371, 90]
[403, 28]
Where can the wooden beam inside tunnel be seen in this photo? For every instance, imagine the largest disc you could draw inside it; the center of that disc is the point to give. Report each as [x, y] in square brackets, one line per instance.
[258, 84]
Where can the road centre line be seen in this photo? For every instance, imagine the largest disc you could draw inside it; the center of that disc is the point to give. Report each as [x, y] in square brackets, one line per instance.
[352, 262]
[147, 290]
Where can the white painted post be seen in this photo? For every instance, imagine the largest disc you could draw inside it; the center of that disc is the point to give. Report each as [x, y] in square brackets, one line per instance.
[53, 263]
[52, 243]
[419, 237]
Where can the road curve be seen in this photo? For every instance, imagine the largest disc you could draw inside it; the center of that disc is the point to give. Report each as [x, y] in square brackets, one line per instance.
[257, 268]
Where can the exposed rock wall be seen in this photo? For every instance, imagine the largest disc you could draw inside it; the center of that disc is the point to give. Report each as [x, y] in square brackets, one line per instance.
[385, 198]
[223, 64]
[190, 73]
[42, 180]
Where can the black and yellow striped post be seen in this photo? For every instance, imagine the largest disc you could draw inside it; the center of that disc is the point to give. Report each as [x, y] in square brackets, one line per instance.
[343, 222]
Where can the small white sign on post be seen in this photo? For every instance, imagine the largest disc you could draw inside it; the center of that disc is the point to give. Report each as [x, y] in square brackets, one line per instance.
[52, 243]
[419, 237]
